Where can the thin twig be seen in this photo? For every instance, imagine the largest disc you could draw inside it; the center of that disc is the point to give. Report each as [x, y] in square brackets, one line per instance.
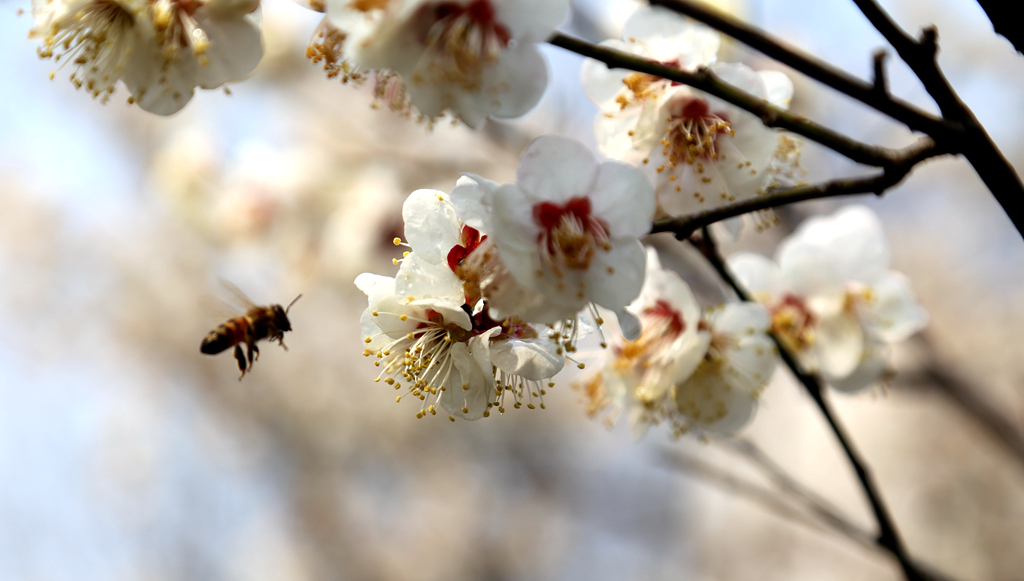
[913, 117]
[814, 511]
[705, 80]
[903, 162]
[888, 536]
[967, 396]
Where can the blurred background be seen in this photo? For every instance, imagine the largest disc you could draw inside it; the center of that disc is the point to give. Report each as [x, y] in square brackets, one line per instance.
[126, 454]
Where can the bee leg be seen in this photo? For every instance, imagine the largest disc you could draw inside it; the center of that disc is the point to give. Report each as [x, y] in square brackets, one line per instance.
[240, 357]
[254, 353]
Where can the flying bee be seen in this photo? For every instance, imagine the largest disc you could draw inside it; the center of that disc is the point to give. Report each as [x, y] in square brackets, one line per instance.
[256, 324]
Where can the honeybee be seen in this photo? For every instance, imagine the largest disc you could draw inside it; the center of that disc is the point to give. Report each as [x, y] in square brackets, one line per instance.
[256, 324]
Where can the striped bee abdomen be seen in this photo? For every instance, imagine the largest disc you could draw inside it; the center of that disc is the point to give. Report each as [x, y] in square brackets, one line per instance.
[226, 335]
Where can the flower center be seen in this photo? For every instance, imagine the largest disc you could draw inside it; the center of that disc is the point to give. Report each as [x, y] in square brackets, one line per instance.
[641, 86]
[176, 29]
[570, 235]
[459, 40]
[97, 41]
[793, 323]
[692, 131]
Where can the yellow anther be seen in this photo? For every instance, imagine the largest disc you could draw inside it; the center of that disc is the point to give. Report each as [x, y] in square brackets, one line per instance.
[397, 241]
[531, 406]
[367, 340]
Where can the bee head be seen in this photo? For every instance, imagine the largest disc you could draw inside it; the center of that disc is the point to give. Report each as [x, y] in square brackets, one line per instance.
[281, 318]
[281, 315]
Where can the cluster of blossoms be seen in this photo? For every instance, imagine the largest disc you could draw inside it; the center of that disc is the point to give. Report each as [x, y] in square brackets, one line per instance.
[698, 150]
[474, 58]
[693, 370]
[487, 303]
[160, 49]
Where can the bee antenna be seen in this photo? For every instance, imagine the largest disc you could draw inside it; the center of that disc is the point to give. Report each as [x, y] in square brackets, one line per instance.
[292, 303]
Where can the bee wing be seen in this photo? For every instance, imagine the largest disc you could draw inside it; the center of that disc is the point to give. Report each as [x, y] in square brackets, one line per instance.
[218, 310]
[239, 295]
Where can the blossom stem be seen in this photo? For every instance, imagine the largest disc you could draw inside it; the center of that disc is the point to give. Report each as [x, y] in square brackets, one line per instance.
[958, 129]
[903, 162]
[888, 536]
[705, 80]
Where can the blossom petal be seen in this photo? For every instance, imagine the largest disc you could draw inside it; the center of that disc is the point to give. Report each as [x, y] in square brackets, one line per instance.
[236, 47]
[839, 344]
[618, 281]
[759, 275]
[431, 225]
[895, 313]
[624, 198]
[868, 371]
[515, 84]
[532, 359]
[556, 169]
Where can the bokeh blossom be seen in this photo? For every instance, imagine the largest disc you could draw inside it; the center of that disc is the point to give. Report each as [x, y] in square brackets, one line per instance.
[160, 50]
[476, 58]
[833, 300]
[694, 371]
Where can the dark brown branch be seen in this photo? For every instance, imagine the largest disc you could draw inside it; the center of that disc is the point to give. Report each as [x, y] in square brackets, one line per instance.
[888, 536]
[707, 81]
[902, 163]
[840, 80]
[959, 131]
[974, 143]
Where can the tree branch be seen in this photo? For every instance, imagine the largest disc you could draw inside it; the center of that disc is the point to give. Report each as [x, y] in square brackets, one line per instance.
[707, 81]
[888, 536]
[974, 143]
[902, 163]
[906, 113]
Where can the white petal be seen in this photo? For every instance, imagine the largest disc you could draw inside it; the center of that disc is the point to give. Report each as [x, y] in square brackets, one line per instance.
[895, 314]
[616, 278]
[742, 319]
[418, 278]
[808, 271]
[431, 226]
[556, 169]
[472, 389]
[629, 324]
[515, 84]
[759, 275]
[867, 372]
[839, 344]
[778, 86]
[624, 198]
[854, 237]
[668, 36]
[531, 20]
[236, 47]
[532, 359]
[601, 84]
[472, 198]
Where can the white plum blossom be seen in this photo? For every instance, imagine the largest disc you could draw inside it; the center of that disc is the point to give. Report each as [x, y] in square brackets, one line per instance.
[101, 40]
[833, 300]
[638, 375]
[568, 229]
[622, 95]
[425, 329]
[700, 151]
[721, 394]
[162, 50]
[201, 44]
[697, 373]
[476, 58]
